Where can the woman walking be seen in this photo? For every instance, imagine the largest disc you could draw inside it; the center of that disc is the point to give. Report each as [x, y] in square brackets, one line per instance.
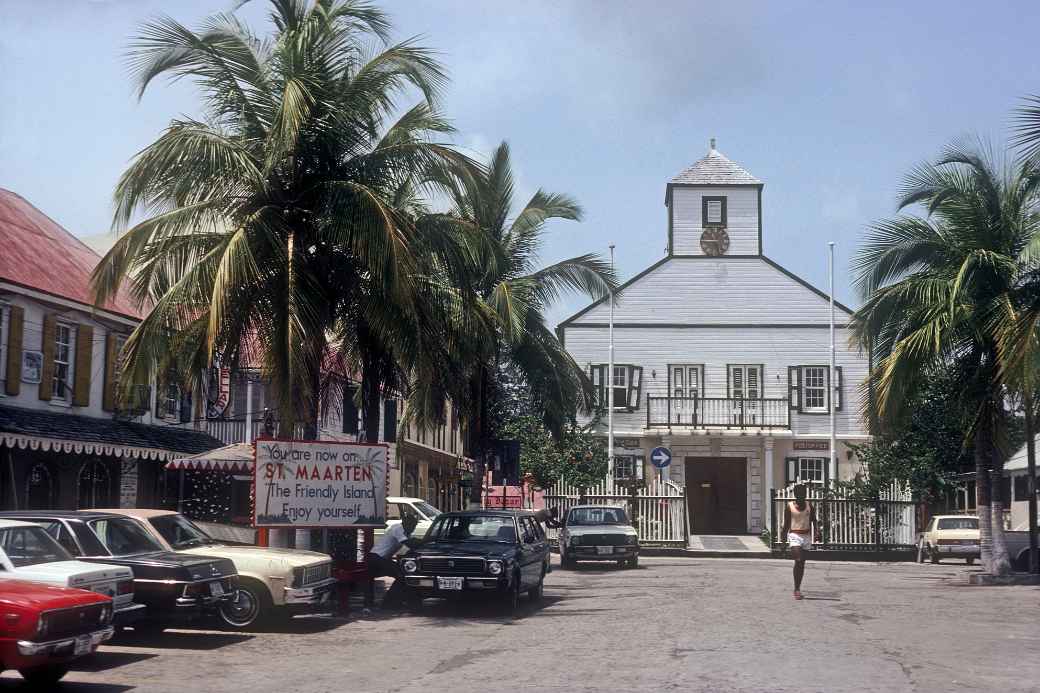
[799, 523]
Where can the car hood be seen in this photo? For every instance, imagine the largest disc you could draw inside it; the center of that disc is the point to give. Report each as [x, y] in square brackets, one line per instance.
[74, 573]
[42, 596]
[256, 555]
[581, 530]
[482, 549]
[185, 565]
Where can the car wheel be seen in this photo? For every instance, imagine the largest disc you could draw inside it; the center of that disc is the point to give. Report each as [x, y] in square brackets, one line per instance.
[44, 677]
[971, 561]
[633, 562]
[933, 556]
[621, 563]
[250, 606]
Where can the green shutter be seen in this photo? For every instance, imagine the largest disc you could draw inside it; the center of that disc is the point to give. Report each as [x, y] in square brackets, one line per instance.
[50, 326]
[84, 363]
[15, 331]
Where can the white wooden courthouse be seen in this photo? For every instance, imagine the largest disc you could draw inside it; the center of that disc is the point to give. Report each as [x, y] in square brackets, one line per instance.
[723, 356]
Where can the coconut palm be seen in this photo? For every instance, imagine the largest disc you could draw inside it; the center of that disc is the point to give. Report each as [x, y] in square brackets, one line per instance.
[497, 314]
[937, 286]
[266, 218]
[1027, 126]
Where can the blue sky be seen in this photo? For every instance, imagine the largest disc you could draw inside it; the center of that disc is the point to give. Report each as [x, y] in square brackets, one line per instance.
[828, 103]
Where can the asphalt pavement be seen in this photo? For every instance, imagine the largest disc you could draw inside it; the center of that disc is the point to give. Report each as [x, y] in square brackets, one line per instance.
[672, 624]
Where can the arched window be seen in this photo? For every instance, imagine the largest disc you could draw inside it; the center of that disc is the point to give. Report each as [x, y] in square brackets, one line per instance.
[96, 485]
[39, 488]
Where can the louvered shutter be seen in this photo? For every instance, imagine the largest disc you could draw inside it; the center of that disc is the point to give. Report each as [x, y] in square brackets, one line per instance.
[754, 382]
[635, 386]
[791, 474]
[15, 331]
[838, 389]
[794, 387]
[597, 375]
[108, 394]
[84, 364]
[50, 325]
[736, 376]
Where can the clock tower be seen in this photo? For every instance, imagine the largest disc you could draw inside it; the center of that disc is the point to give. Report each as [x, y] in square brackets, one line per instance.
[714, 209]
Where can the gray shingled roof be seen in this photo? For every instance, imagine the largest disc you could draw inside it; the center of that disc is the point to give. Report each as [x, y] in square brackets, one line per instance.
[715, 169]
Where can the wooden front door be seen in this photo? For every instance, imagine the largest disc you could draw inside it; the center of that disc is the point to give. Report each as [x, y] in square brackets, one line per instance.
[716, 491]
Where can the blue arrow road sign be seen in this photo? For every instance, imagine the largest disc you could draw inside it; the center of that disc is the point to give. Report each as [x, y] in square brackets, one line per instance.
[660, 457]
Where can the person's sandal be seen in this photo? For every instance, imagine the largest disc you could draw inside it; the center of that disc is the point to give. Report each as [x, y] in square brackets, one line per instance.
[797, 594]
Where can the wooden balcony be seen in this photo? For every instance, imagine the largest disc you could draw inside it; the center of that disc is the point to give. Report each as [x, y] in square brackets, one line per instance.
[717, 412]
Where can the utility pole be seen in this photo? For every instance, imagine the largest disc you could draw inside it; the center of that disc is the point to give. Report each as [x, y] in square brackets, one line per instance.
[831, 381]
[610, 384]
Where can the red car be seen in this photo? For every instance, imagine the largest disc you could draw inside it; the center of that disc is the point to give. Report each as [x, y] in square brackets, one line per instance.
[44, 627]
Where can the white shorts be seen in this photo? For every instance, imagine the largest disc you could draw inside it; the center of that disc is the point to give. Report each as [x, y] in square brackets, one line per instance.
[802, 541]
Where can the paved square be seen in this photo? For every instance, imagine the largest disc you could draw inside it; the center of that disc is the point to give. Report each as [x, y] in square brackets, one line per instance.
[673, 624]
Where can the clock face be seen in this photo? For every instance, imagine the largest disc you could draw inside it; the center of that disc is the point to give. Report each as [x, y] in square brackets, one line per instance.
[714, 242]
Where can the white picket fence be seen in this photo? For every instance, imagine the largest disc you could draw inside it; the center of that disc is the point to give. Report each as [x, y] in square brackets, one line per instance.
[660, 511]
[888, 522]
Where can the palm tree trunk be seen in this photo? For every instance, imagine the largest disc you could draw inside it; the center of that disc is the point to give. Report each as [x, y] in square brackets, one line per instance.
[1034, 559]
[477, 437]
[983, 440]
[1000, 563]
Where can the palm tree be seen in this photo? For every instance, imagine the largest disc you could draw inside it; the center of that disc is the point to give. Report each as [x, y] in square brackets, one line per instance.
[267, 218]
[936, 287]
[497, 314]
[1027, 126]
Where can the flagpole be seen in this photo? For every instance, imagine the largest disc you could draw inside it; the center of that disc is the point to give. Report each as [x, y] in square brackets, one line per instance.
[610, 384]
[832, 399]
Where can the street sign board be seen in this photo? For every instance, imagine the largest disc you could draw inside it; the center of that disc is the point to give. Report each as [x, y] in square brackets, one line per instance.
[660, 457]
[319, 484]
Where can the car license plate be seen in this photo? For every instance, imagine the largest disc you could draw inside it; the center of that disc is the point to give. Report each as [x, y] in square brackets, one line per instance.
[449, 583]
[216, 589]
[82, 646]
[604, 550]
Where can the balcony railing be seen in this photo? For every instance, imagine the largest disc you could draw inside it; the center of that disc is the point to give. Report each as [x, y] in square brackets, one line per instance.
[716, 412]
[230, 431]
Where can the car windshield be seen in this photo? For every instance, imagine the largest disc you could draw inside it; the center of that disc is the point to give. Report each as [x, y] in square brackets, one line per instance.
[596, 516]
[31, 546]
[495, 528]
[428, 510]
[123, 536]
[180, 532]
[959, 523]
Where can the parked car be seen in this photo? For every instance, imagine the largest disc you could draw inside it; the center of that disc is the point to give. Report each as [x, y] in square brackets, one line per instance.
[176, 588]
[950, 536]
[1018, 549]
[498, 553]
[45, 627]
[598, 533]
[27, 552]
[271, 582]
[399, 506]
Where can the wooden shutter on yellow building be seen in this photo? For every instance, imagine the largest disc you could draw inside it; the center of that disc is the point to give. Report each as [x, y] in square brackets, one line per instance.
[84, 361]
[50, 323]
[15, 330]
[108, 396]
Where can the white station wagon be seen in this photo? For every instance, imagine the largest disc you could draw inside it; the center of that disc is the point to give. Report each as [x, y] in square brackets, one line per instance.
[950, 536]
[27, 552]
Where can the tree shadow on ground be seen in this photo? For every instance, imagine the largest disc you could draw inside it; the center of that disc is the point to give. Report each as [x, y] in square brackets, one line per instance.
[180, 640]
[103, 660]
[16, 683]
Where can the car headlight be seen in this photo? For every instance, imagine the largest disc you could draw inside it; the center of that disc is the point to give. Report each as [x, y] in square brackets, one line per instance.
[41, 626]
[494, 567]
[631, 539]
[575, 540]
[297, 577]
[409, 565]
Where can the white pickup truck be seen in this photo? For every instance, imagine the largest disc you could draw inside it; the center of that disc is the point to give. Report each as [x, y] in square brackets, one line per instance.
[27, 552]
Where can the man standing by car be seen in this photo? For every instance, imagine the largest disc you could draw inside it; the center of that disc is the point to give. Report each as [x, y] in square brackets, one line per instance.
[799, 523]
[381, 561]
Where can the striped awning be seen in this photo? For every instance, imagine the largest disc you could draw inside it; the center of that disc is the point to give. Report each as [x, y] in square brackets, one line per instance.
[230, 458]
